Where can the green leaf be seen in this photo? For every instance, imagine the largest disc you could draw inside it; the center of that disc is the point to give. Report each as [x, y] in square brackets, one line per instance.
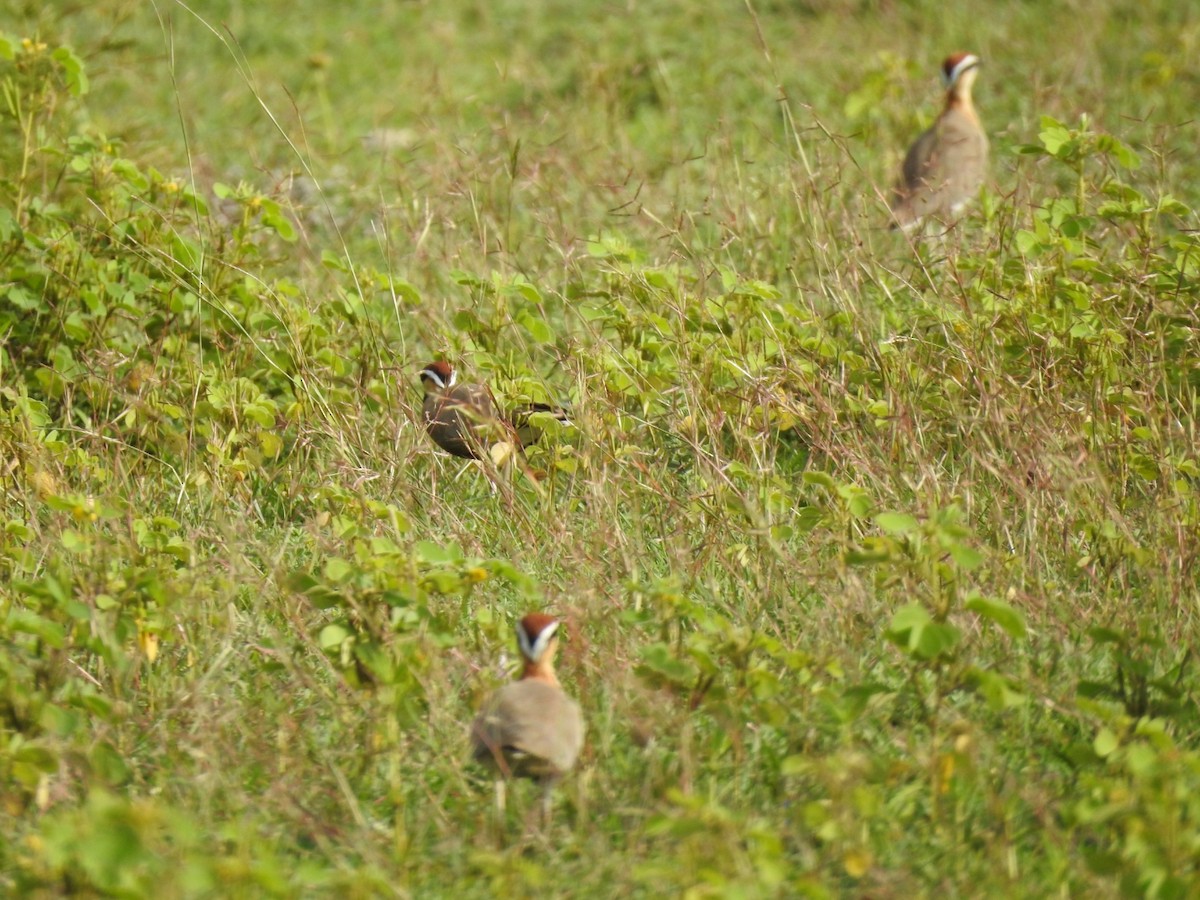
[591, 312]
[968, 558]
[51, 633]
[537, 327]
[1106, 743]
[996, 689]
[261, 412]
[38, 757]
[529, 292]
[915, 632]
[376, 661]
[859, 505]
[59, 721]
[338, 570]
[186, 252]
[274, 219]
[795, 765]
[1102, 635]
[807, 518]
[1028, 243]
[820, 479]
[333, 636]
[1054, 136]
[73, 71]
[23, 299]
[874, 550]
[72, 541]
[436, 554]
[937, 639]
[1126, 158]
[1007, 617]
[109, 764]
[855, 699]
[899, 524]
[909, 617]
[660, 664]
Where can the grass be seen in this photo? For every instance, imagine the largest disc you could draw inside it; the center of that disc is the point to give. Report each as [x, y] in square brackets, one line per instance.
[877, 559]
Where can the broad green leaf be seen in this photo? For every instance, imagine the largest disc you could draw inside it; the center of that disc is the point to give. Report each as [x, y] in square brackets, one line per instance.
[110, 764]
[859, 505]
[937, 639]
[274, 219]
[1105, 743]
[338, 570]
[968, 558]
[436, 554]
[897, 523]
[39, 757]
[909, 617]
[333, 636]
[820, 479]
[1102, 635]
[1007, 617]
[996, 689]
[49, 632]
[658, 660]
[1053, 135]
[73, 70]
[537, 327]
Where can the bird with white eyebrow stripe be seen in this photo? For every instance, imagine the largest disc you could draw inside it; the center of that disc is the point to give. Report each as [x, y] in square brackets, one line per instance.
[530, 728]
[945, 166]
[465, 420]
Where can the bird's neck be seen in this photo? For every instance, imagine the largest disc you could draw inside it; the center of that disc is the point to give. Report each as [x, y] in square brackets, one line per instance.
[959, 96]
[542, 671]
[959, 99]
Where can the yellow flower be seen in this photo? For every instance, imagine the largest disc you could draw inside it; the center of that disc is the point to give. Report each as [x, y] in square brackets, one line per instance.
[148, 641]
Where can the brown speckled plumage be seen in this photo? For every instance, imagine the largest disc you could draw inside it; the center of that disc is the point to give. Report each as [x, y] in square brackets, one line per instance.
[531, 728]
[946, 165]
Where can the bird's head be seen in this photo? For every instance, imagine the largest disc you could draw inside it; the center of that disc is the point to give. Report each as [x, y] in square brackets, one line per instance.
[537, 636]
[437, 376]
[957, 65]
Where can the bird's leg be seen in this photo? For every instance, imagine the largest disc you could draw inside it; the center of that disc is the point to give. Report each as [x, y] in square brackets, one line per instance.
[500, 797]
[500, 806]
[537, 819]
[546, 807]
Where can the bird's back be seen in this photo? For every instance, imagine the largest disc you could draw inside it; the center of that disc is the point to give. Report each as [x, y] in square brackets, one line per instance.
[943, 169]
[529, 434]
[462, 419]
[533, 726]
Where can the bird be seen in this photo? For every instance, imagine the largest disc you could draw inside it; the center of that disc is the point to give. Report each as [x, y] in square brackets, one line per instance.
[530, 728]
[944, 167]
[465, 420]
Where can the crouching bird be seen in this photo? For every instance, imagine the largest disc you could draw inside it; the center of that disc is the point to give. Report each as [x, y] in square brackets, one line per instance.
[530, 728]
[464, 419]
[945, 167]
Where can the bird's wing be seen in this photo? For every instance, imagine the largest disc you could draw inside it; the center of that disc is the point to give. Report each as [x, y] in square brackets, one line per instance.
[535, 726]
[943, 168]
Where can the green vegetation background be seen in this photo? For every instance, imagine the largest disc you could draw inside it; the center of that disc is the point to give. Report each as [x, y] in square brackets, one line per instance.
[878, 559]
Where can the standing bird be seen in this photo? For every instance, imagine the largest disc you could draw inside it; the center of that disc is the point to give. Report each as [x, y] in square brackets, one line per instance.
[530, 728]
[945, 167]
[464, 419]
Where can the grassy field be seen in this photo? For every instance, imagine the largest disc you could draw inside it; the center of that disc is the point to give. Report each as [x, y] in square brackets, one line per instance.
[877, 556]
